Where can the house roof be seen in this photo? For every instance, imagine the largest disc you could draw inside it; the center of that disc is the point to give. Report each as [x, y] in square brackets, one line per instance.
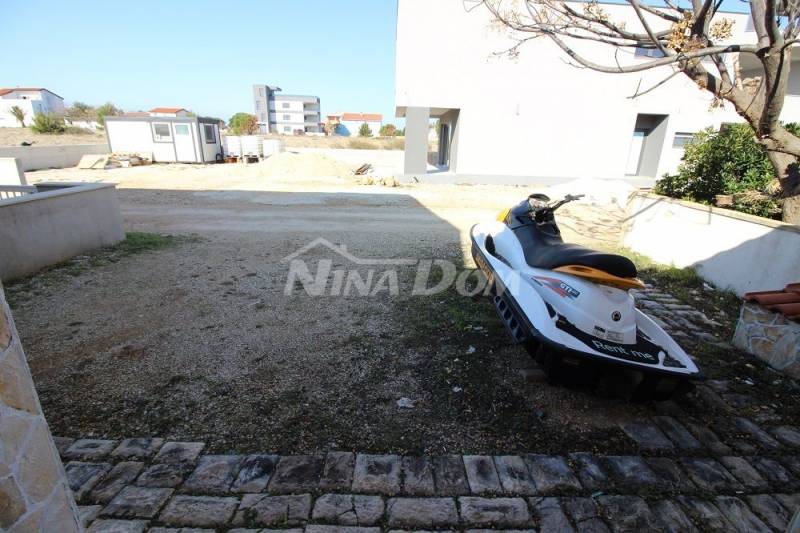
[785, 302]
[363, 117]
[5, 91]
[166, 109]
[136, 114]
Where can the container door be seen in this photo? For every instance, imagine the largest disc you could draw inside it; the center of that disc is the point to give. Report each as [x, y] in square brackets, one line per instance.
[184, 143]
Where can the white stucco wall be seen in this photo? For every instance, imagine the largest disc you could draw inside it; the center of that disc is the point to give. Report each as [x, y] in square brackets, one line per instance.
[537, 115]
[352, 126]
[29, 107]
[732, 250]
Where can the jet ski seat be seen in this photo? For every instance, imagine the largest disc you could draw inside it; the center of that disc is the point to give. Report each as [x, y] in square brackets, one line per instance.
[553, 255]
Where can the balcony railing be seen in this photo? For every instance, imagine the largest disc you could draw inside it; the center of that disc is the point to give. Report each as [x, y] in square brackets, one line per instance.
[14, 191]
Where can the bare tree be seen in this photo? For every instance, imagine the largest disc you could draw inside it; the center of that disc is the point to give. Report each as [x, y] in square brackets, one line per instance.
[680, 38]
[18, 113]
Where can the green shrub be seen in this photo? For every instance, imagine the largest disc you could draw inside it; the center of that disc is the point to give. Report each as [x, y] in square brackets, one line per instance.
[106, 110]
[243, 124]
[726, 162]
[364, 130]
[48, 123]
[387, 130]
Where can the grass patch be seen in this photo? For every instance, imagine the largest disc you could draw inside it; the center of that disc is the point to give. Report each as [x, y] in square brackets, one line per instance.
[687, 285]
[134, 243]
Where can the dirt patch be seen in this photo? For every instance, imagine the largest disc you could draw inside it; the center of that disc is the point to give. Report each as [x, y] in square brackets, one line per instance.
[16, 136]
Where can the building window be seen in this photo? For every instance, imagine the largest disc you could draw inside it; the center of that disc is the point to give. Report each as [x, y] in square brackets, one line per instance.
[286, 105]
[648, 52]
[258, 105]
[211, 138]
[287, 117]
[261, 91]
[681, 138]
[161, 132]
[287, 129]
[263, 117]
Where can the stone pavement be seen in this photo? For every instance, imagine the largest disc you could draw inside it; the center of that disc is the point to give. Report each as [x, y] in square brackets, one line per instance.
[685, 478]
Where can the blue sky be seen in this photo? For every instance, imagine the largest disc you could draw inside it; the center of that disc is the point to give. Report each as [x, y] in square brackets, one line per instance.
[202, 55]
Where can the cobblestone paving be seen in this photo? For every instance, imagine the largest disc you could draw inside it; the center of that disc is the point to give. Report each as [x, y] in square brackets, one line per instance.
[680, 483]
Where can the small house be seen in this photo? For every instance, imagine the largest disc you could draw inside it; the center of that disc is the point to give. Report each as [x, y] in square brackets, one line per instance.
[168, 112]
[31, 100]
[180, 139]
[348, 124]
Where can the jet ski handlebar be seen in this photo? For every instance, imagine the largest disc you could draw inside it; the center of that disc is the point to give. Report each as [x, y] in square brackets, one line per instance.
[540, 207]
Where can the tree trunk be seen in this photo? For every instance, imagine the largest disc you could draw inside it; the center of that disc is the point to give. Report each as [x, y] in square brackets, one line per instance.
[787, 171]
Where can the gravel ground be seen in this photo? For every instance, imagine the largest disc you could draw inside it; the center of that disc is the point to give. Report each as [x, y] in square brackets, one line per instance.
[199, 341]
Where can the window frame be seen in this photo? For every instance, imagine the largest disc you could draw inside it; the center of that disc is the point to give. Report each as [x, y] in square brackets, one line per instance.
[685, 136]
[160, 138]
[287, 117]
[286, 105]
[213, 136]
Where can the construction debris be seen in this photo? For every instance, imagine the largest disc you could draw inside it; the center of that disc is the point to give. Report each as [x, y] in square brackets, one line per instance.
[363, 169]
[108, 161]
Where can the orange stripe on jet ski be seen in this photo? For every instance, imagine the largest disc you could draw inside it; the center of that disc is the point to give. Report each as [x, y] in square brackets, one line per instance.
[598, 276]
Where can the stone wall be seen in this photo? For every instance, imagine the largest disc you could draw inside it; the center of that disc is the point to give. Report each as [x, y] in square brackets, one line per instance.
[34, 495]
[771, 337]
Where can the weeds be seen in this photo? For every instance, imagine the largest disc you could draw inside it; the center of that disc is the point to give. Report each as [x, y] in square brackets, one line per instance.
[134, 243]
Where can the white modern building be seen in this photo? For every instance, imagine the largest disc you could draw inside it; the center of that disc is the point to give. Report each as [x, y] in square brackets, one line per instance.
[31, 100]
[536, 117]
[287, 114]
[348, 124]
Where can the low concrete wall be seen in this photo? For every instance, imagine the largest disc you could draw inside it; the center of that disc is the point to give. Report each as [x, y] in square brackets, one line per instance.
[43, 229]
[733, 250]
[41, 157]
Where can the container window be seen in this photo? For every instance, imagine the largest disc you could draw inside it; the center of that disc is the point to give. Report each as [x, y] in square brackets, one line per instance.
[208, 129]
[161, 132]
[181, 129]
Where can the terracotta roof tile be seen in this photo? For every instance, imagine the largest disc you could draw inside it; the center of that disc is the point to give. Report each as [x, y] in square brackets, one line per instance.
[363, 117]
[785, 302]
[166, 109]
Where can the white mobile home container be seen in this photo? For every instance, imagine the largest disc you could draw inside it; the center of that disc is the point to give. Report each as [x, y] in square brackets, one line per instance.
[169, 139]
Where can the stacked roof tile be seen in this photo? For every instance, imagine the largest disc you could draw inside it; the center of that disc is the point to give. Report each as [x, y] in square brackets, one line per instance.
[785, 302]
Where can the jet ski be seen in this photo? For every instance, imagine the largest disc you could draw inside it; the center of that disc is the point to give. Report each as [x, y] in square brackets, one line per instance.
[572, 307]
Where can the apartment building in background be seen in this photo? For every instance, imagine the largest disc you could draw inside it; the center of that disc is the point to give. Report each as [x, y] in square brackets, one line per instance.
[538, 118]
[286, 114]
